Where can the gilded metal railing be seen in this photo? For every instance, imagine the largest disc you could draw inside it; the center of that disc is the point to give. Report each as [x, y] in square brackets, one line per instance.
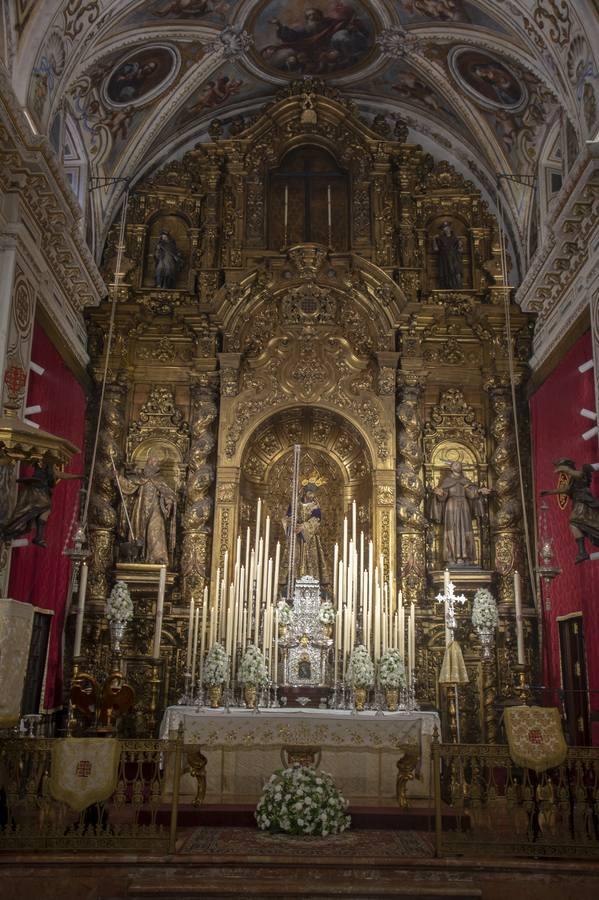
[140, 814]
[485, 804]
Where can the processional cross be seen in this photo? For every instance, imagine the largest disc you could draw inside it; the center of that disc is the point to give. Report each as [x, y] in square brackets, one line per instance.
[449, 598]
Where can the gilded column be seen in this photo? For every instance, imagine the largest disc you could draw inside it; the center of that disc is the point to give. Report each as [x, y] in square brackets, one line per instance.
[103, 517]
[198, 515]
[506, 526]
[410, 488]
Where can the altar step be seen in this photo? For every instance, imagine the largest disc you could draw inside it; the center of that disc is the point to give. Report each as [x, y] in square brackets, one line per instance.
[363, 817]
[282, 889]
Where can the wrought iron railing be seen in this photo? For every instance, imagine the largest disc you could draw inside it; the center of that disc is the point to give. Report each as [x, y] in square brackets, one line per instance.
[131, 818]
[500, 809]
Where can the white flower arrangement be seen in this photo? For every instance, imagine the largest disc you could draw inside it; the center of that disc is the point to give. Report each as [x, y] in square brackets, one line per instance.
[285, 613]
[360, 672]
[391, 670]
[216, 667]
[484, 611]
[326, 613]
[252, 669]
[300, 800]
[119, 606]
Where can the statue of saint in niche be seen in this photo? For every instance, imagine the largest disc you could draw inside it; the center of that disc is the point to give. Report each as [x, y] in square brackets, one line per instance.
[454, 503]
[153, 510]
[309, 553]
[449, 249]
[168, 260]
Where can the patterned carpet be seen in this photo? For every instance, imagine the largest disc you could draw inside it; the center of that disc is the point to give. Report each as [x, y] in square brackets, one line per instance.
[234, 841]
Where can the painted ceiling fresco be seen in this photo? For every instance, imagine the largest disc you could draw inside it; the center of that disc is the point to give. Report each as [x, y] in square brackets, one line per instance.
[483, 82]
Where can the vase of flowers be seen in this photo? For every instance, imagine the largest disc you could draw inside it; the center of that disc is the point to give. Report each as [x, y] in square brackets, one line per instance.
[300, 800]
[119, 611]
[326, 617]
[392, 677]
[252, 672]
[485, 619]
[216, 672]
[360, 674]
[285, 617]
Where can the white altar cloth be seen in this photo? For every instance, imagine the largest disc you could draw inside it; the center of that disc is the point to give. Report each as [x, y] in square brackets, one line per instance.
[360, 750]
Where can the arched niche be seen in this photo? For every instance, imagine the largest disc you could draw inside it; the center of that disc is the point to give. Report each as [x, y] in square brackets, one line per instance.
[334, 456]
[308, 200]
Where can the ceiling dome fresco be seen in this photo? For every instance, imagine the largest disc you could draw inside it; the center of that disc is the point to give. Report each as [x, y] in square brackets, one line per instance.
[485, 85]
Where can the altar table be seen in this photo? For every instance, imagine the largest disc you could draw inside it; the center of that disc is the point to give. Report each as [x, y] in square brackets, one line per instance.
[365, 752]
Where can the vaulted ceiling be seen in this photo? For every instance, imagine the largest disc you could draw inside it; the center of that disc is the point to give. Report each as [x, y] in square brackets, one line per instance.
[493, 86]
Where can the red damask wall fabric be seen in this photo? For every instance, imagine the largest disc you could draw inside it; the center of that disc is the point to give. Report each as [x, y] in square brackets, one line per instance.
[557, 428]
[41, 576]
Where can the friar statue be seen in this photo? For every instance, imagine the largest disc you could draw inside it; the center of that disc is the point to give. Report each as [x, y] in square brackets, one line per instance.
[454, 503]
[169, 261]
[584, 515]
[310, 559]
[153, 510]
[449, 249]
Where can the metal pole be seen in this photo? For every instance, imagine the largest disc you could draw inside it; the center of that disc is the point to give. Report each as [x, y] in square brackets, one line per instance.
[293, 522]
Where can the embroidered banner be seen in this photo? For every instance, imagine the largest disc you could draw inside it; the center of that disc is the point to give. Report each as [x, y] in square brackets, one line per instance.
[16, 622]
[453, 668]
[84, 770]
[534, 735]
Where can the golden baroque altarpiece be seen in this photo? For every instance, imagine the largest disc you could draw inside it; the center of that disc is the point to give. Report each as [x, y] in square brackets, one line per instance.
[278, 330]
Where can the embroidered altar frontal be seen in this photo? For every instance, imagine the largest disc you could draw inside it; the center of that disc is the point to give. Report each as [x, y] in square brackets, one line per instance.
[361, 752]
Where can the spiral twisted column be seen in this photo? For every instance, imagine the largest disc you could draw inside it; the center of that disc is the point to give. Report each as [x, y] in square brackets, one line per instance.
[507, 524]
[199, 490]
[103, 517]
[410, 487]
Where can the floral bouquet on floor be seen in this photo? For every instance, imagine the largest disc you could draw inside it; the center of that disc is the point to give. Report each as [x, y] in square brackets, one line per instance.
[119, 606]
[485, 619]
[360, 674]
[392, 677]
[299, 800]
[252, 674]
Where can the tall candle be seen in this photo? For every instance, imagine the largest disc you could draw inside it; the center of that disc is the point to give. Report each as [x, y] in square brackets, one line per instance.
[413, 638]
[344, 555]
[336, 645]
[196, 623]
[354, 523]
[80, 610]
[257, 537]
[190, 634]
[275, 665]
[275, 580]
[519, 620]
[401, 627]
[159, 609]
[265, 556]
[446, 582]
[203, 634]
[335, 565]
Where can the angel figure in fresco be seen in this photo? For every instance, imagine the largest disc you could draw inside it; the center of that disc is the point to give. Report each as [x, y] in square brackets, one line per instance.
[584, 515]
[34, 504]
[455, 502]
[445, 10]
[190, 9]
[216, 92]
[309, 553]
[153, 511]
